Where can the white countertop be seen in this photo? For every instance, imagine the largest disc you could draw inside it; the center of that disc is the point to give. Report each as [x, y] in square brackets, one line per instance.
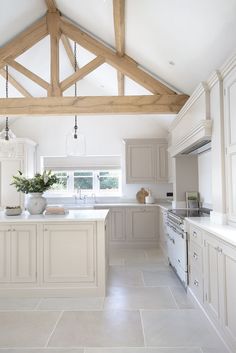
[224, 232]
[164, 205]
[72, 216]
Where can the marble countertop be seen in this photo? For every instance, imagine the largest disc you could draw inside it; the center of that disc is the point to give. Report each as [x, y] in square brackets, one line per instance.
[165, 205]
[71, 216]
[224, 232]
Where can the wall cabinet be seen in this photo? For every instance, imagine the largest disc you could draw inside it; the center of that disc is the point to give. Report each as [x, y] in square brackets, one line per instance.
[230, 141]
[18, 254]
[22, 159]
[146, 160]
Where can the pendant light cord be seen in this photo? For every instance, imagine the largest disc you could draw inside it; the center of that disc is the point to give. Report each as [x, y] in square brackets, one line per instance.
[75, 87]
[7, 122]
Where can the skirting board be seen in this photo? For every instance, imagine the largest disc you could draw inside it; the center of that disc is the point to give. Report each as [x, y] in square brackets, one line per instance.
[214, 324]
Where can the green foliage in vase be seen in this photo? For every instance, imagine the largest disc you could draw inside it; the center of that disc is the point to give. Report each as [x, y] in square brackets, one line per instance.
[39, 183]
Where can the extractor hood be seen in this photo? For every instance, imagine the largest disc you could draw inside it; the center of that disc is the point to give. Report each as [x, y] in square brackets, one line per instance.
[198, 148]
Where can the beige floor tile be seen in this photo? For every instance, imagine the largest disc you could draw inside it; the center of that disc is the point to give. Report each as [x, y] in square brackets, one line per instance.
[183, 300]
[42, 350]
[98, 329]
[18, 303]
[143, 350]
[161, 278]
[155, 255]
[174, 328]
[26, 329]
[125, 276]
[131, 298]
[215, 350]
[71, 304]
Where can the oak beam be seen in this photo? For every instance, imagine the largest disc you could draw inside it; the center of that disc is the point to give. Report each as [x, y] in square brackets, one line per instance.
[69, 51]
[32, 76]
[15, 83]
[51, 5]
[81, 73]
[54, 32]
[124, 64]
[119, 29]
[59, 106]
[24, 41]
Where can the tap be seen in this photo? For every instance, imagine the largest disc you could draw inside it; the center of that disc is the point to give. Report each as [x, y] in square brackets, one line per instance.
[77, 194]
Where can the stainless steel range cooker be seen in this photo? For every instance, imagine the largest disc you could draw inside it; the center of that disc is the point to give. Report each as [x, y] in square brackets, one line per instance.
[177, 239]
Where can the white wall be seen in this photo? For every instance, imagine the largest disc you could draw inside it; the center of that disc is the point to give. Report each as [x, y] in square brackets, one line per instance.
[205, 178]
[104, 135]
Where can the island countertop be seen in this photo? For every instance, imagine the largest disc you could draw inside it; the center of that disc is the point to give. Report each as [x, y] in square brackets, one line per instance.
[71, 216]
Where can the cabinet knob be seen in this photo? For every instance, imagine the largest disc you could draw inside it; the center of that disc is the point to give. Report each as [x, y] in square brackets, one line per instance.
[194, 234]
[9, 230]
[195, 256]
[196, 283]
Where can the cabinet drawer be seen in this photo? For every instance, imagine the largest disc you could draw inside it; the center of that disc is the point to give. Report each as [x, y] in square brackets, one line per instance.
[196, 235]
[195, 256]
[196, 283]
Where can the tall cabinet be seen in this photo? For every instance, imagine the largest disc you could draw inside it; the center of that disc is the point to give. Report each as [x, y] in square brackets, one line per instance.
[230, 141]
[22, 157]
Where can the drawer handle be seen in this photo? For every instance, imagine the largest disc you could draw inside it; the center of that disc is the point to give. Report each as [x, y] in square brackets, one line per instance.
[194, 234]
[195, 256]
[196, 283]
[220, 250]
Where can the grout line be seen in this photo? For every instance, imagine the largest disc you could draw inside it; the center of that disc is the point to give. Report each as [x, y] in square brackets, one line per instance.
[38, 304]
[177, 306]
[54, 328]
[144, 337]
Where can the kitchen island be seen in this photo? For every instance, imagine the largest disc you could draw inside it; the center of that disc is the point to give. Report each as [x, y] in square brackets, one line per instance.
[54, 255]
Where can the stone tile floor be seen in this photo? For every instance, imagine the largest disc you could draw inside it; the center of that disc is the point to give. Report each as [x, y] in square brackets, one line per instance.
[146, 311]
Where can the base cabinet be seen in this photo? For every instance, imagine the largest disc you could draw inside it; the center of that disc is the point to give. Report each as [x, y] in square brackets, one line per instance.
[69, 255]
[118, 224]
[18, 254]
[142, 224]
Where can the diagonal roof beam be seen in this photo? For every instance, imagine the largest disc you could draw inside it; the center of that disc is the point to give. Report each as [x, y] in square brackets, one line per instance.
[59, 106]
[69, 51]
[81, 73]
[51, 5]
[32, 76]
[124, 64]
[24, 41]
[119, 27]
[15, 84]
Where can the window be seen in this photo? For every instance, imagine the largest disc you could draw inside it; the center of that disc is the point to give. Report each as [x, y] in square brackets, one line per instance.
[98, 182]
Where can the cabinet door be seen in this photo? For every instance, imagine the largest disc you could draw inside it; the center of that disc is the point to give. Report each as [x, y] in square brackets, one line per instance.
[141, 161]
[227, 290]
[230, 140]
[9, 195]
[5, 233]
[212, 276]
[117, 224]
[69, 253]
[23, 254]
[142, 223]
[162, 163]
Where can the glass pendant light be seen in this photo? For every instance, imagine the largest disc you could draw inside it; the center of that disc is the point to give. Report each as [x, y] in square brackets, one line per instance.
[75, 141]
[7, 138]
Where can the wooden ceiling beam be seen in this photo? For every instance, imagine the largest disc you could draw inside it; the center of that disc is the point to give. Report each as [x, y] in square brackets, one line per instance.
[69, 51]
[81, 73]
[51, 5]
[59, 106]
[24, 41]
[15, 84]
[124, 64]
[32, 76]
[53, 19]
[119, 29]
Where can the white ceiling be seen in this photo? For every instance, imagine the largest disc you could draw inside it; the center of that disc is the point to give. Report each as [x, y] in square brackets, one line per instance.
[196, 35]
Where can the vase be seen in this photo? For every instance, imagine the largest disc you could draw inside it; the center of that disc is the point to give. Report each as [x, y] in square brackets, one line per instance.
[36, 203]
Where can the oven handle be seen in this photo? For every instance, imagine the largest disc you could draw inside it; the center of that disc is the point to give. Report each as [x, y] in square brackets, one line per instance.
[175, 230]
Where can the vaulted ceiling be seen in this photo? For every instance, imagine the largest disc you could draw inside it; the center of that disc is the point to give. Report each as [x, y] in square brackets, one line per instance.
[180, 42]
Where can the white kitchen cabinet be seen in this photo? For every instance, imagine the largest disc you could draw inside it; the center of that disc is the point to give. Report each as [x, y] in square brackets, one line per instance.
[18, 254]
[5, 233]
[69, 255]
[117, 224]
[230, 141]
[212, 275]
[23, 160]
[142, 224]
[146, 160]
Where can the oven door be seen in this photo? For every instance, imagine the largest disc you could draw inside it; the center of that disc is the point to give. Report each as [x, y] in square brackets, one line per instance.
[171, 246]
